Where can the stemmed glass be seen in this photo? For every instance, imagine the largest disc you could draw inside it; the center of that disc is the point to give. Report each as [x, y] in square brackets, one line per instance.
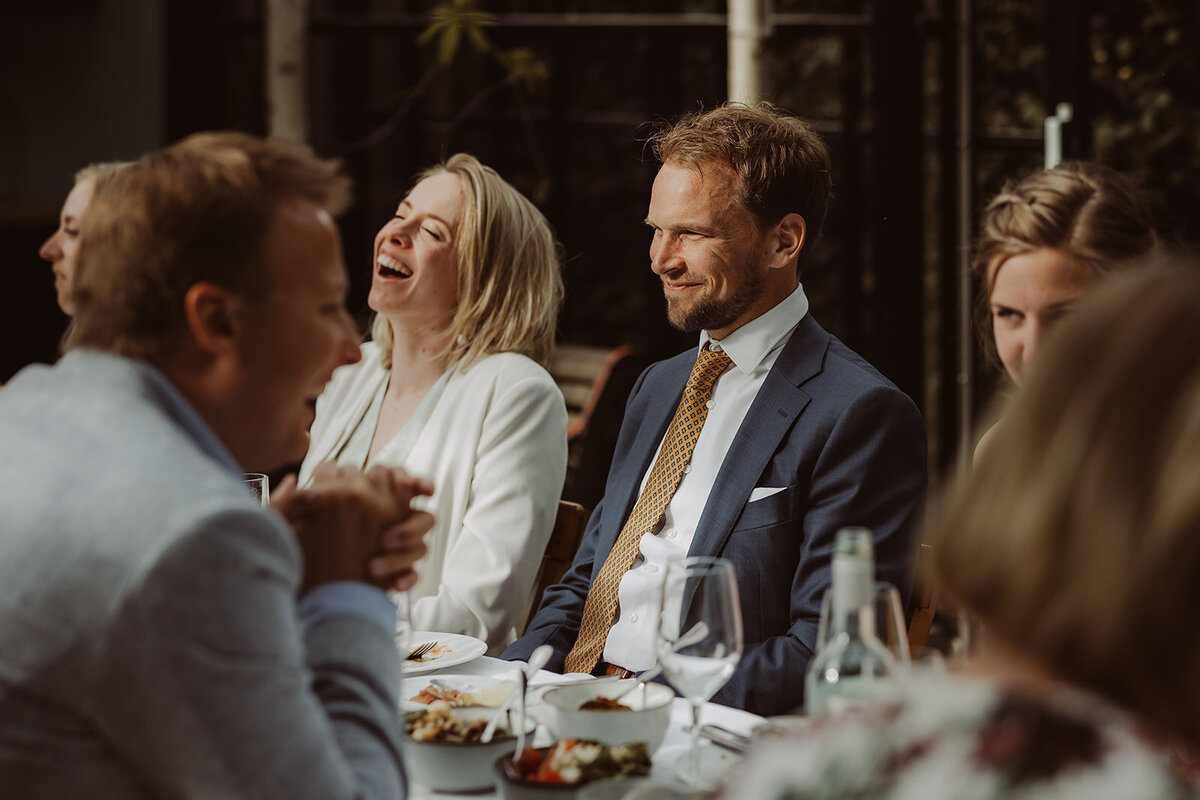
[862, 651]
[886, 614]
[699, 638]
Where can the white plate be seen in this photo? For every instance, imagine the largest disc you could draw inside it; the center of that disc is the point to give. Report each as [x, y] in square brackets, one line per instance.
[454, 649]
[715, 762]
[461, 683]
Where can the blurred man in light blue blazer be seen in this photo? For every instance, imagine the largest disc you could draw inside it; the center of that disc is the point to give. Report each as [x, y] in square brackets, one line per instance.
[151, 642]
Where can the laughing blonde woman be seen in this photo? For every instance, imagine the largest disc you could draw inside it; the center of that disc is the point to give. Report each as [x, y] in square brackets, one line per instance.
[466, 288]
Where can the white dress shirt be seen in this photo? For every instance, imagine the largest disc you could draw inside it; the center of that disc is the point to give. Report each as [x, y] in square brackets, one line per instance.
[753, 349]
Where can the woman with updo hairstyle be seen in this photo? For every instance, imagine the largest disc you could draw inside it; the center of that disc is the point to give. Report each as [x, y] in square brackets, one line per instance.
[1043, 243]
[1075, 542]
[466, 286]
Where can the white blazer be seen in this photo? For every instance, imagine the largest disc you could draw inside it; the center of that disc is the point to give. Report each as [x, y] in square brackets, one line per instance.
[495, 449]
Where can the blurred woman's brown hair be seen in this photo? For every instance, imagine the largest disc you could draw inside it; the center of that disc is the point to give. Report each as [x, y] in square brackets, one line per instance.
[1076, 538]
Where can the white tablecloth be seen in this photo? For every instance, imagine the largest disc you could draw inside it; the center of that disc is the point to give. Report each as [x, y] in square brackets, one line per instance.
[673, 745]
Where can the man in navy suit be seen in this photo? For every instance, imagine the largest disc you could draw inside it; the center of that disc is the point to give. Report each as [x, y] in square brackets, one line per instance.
[800, 436]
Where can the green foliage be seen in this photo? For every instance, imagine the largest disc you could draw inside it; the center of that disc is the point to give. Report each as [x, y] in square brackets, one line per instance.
[451, 23]
[523, 73]
[1147, 96]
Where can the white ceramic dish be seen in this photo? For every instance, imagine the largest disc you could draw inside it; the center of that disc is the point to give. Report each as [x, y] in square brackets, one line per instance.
[510, 787]
[489, 687]
[646, 721]
[459, 767]
[453, 649]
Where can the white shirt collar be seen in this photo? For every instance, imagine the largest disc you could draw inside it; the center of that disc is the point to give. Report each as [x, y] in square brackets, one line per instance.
[749, 346]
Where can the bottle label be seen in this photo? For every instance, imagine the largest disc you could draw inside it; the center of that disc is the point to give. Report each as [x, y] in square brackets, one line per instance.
[853, 579]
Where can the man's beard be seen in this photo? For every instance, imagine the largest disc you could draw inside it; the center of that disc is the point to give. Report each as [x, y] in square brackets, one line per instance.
[711, 314]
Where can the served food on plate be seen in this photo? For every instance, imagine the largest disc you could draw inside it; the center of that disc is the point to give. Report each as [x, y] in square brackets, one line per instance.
[569, 713]
[581, 761]
[435, 652]
[439, 723]
[492, 696]
[452, 697]
[443, 750]
[604, 704]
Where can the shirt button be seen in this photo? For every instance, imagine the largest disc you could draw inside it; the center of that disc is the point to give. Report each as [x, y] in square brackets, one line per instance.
[652, 568]
[687, 468]
[708, 404]
[671, 534]
[632, 618]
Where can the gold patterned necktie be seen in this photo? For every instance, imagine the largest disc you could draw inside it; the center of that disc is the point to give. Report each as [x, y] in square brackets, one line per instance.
[672, 462]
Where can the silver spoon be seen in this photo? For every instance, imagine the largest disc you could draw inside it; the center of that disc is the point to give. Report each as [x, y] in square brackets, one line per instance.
[537, 660]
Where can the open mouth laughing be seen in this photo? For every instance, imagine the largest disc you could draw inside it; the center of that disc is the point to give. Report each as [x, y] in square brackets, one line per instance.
[391, 268]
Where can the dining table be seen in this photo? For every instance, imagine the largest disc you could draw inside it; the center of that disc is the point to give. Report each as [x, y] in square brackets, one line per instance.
[674, 743]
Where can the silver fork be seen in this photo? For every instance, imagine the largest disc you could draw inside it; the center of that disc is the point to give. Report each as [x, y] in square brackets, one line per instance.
[420, 650]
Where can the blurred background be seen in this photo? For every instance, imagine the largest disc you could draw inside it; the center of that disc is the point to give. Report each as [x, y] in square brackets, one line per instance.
[928, 105]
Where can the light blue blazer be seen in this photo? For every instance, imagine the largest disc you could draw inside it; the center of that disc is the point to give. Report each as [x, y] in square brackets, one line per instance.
[149, 639]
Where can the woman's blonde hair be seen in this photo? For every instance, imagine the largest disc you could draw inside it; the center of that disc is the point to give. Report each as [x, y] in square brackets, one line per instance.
[509, 271]
[1076, 538]
[99, 173]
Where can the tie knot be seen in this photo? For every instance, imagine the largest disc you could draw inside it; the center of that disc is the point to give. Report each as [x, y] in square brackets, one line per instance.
[709, 365]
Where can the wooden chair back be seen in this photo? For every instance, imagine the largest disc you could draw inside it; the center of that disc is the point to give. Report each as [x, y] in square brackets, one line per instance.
[581, 372]
[923, 604]
[560, 552]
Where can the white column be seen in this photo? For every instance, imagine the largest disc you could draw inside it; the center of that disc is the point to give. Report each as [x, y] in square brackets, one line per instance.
[1052, 134]
[287, 100]
[747, 31]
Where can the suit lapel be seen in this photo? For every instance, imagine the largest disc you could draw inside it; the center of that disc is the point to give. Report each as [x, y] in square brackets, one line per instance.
[663, 395]
[774, 410]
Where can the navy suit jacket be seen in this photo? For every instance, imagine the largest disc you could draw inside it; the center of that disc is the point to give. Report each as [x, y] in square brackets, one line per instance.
[850, 448]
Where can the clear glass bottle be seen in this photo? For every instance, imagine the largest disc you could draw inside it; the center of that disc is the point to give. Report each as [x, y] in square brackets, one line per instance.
[851, 663]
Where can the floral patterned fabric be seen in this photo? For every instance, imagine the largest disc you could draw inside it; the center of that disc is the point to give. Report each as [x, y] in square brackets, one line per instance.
[959, 738]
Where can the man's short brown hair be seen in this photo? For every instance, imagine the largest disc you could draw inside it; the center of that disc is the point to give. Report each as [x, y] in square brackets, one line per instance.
[781, 162]
[198, 210]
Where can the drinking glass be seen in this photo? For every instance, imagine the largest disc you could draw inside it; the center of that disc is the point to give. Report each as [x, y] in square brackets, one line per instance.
[403, 621]
[699, 639]
[861, 652]
[259, 486]
[886, 612]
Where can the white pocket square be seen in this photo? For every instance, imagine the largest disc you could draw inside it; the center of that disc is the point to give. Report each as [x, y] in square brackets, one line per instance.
[764, 491]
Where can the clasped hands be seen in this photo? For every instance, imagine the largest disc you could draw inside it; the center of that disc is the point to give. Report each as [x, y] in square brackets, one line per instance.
[357, 526]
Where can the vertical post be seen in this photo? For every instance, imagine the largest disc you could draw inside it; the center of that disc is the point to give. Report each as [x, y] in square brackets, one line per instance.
[1070, 61]
[287, 107]
[896, 299]
[1052, 145]
[748, 30]
[965, 169]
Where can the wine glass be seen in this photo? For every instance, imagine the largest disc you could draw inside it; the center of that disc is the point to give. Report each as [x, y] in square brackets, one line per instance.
[259, 486]
[699, 638]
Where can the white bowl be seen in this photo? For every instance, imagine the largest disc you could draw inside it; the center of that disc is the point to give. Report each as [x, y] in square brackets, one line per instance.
[461, 766]
[646, 722]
